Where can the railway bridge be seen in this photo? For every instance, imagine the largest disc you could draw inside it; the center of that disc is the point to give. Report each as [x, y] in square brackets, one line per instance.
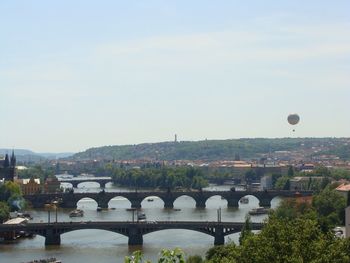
[133, 230]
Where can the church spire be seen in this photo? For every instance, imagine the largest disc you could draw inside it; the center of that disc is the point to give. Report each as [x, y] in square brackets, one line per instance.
[13, 159]
[7, 161]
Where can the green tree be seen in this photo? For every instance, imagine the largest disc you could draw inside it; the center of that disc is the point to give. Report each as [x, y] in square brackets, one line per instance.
[224, 254]
[297, 240]
[330, 206]
[172, 256]
[12, 188]
[290, 171]
[194, 259]
[282, 183]
[246, 230]
[4, 211]
[166, 256]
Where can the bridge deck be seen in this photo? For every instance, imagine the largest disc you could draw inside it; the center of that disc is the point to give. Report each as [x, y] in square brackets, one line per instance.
[100, 224]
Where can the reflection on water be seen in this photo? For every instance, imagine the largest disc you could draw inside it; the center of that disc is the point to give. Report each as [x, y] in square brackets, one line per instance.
[92, 246]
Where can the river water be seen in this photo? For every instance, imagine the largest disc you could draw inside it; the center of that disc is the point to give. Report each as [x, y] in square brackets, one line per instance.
[91, 246]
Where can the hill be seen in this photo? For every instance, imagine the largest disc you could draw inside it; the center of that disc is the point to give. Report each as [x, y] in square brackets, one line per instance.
[24, 155]
[217, 149]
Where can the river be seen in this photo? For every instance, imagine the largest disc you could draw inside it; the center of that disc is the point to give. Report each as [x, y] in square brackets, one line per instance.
[91, 246]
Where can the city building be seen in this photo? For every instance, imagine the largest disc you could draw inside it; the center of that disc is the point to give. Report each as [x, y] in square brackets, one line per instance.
[52, 185]
[304, 182]
[347, 222]
[266, 182]
[30, 186]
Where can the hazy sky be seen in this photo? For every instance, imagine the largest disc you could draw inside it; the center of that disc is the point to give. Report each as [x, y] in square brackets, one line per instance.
[78, 74]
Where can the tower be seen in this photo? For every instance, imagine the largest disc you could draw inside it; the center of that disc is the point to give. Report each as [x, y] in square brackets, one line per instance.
[13, 159]
[7, 161]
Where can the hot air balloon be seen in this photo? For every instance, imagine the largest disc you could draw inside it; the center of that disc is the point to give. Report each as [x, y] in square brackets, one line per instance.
[293, 119]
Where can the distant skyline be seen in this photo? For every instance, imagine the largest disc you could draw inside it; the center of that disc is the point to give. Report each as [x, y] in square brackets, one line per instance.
[82, 74]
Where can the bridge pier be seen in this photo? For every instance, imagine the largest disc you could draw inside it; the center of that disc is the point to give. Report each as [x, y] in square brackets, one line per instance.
[219, 236]
[168, 203]
[75, 184]
[135, 203]
[232, 202]
[69, 203]
[103, 185]
[103, 204]
[52, 238]
[200, 203]
[265, 202]
[135, 237]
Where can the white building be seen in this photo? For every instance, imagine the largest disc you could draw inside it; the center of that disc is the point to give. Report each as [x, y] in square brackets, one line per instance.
[266, 182]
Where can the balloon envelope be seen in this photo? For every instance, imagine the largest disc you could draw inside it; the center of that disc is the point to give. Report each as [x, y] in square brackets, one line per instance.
[293, 119]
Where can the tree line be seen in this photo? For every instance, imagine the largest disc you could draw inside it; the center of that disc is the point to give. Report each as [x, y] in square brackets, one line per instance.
[164, 177]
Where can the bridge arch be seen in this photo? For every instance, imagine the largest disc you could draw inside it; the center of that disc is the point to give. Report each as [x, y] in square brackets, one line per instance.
[72, 234]
[175, 235]
[119, 201]
[87, 203]
[152, 201]
[275, 202]
[253, 201]
[216, 201]
[185, 201]
[66, 185]
[90, 184]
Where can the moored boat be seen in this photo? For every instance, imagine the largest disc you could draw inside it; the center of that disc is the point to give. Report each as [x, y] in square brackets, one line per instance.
[244, 200]
[141, 216]
[76, 213]
[46, 260]
[259, 211]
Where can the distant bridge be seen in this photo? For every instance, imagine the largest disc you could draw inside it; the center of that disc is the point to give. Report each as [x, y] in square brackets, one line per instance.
[133, 230]
[76, 181]
[70, 200]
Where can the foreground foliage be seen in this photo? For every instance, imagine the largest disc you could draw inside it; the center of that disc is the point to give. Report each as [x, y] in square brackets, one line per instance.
[166, 256]
[10, 199]
[285, 240]
[297, 231]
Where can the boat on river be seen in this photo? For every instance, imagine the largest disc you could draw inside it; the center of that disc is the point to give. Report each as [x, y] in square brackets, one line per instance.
[259, 211]
[76, 213]
[141, 216]
[244, 200]
[46, 260]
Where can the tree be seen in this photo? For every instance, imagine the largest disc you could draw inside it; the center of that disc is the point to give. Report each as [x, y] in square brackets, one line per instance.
[321, 171]
[330, 206]
[246, 230]
[4, 212]
[172, 256]
[166, 256]
[224, 254]
[250, 176]
[297, 240]
[290, 171]
[282, 183]
[291, 209]
[194, 259]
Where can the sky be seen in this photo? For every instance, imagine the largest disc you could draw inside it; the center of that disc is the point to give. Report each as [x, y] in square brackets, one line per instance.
[81, 74]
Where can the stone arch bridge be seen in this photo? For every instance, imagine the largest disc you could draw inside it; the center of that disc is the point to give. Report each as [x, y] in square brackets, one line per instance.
[70, 200]
[102, 181]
